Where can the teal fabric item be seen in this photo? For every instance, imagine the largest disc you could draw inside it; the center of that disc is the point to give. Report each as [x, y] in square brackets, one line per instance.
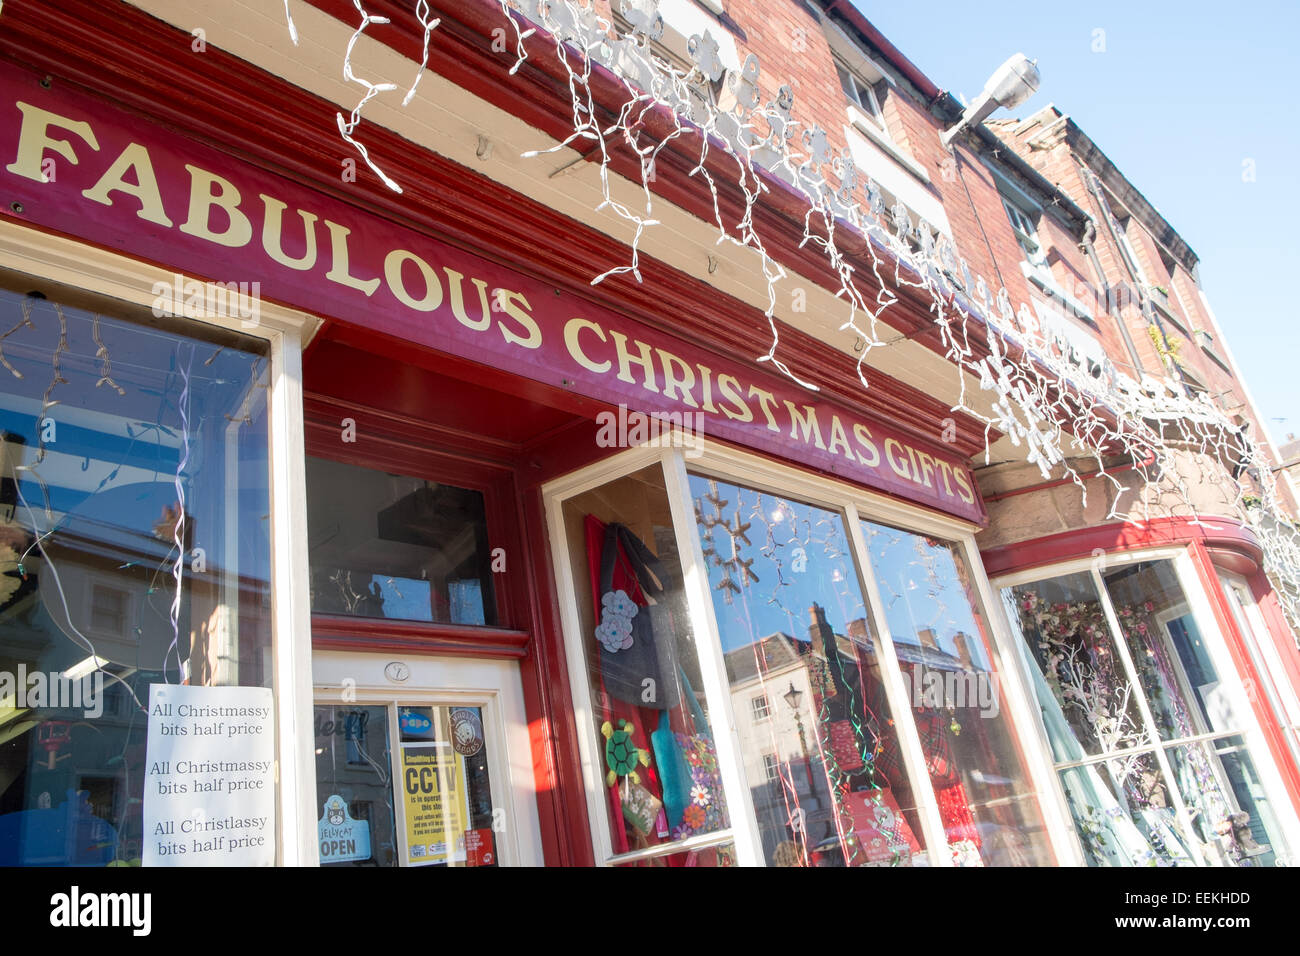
[674, 774]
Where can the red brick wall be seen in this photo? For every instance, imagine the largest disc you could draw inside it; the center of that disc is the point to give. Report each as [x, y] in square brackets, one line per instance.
[792, 48]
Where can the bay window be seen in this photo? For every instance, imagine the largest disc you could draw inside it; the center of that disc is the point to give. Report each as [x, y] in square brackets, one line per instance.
[762, 676]
[1147, 720]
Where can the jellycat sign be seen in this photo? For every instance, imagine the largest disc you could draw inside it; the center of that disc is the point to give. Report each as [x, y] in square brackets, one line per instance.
[76, 165]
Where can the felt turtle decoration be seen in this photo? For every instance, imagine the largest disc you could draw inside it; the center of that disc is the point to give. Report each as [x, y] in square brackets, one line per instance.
[621, 754]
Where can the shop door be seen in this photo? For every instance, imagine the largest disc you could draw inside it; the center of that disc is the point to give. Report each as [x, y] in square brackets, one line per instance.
[422, 761]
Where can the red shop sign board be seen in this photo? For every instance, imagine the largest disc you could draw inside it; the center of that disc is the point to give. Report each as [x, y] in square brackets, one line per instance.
[86, 169]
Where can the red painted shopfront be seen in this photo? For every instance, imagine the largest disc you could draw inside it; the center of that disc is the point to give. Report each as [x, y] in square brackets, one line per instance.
[459, 380]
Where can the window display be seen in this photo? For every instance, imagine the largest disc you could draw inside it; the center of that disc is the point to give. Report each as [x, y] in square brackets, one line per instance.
[794, 627]
[134, 550]
[851, 747]
[950, 664]
[1146, 733]
[653, 733]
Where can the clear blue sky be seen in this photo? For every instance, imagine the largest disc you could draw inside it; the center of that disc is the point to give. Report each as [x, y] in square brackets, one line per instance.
[1183, 94]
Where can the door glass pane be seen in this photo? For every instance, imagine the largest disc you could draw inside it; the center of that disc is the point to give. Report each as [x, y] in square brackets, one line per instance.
[134, 550]
[394, 547]
[651, 727]
[1089, 706]
[1173, 665]
[445, 790]
[1231, 815]
[354, 768]
[1124, 815]
[439, 802]
[949, 663]
[821, 755]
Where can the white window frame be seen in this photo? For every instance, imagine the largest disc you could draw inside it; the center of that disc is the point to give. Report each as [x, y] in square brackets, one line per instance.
[1026, 229]
[1279, 691]
[864, 103]
[852, 503]
[760, 713]
[1216, 645]
[101, 272]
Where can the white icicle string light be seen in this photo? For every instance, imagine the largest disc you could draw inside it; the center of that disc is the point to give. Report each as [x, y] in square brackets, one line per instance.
[1042, 402]
[293, 27]
[421, 14]
[178, 529]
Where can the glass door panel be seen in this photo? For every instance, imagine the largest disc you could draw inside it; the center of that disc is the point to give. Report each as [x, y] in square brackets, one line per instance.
[354, 776]
[425, 802]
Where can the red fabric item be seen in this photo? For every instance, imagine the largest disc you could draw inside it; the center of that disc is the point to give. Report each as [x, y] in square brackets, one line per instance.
[624, 578]
[881, 830]
[844, 746]
[644, 719]
[954, 810]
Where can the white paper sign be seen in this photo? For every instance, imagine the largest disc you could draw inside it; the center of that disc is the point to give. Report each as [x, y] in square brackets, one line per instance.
[209, 791]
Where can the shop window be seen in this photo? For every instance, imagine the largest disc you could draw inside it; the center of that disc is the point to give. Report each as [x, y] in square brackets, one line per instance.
[396, 547]
[1147, 735]
[134, 550]
[827, 758]
[950, 667]
[791, 614]
[651, 730]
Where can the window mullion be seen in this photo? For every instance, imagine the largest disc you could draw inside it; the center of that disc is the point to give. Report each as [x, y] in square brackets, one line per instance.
[1144, 708]
[713, 673]
[936, 840]
[290, 602]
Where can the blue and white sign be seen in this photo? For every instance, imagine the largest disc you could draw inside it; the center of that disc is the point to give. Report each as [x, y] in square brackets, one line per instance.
[341, 837]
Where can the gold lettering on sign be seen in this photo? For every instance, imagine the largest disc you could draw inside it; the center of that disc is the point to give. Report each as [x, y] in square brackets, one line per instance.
[766, 401]
[807, 423]
[457, 294]
[894, 455]
[729, 389]
[626, 361]
[145, 188]
[339, 271]
[34, 139]
[393, 263]
[863, 435]
[571, 330]
[239, 231]
[273, 236]
[514, 305]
